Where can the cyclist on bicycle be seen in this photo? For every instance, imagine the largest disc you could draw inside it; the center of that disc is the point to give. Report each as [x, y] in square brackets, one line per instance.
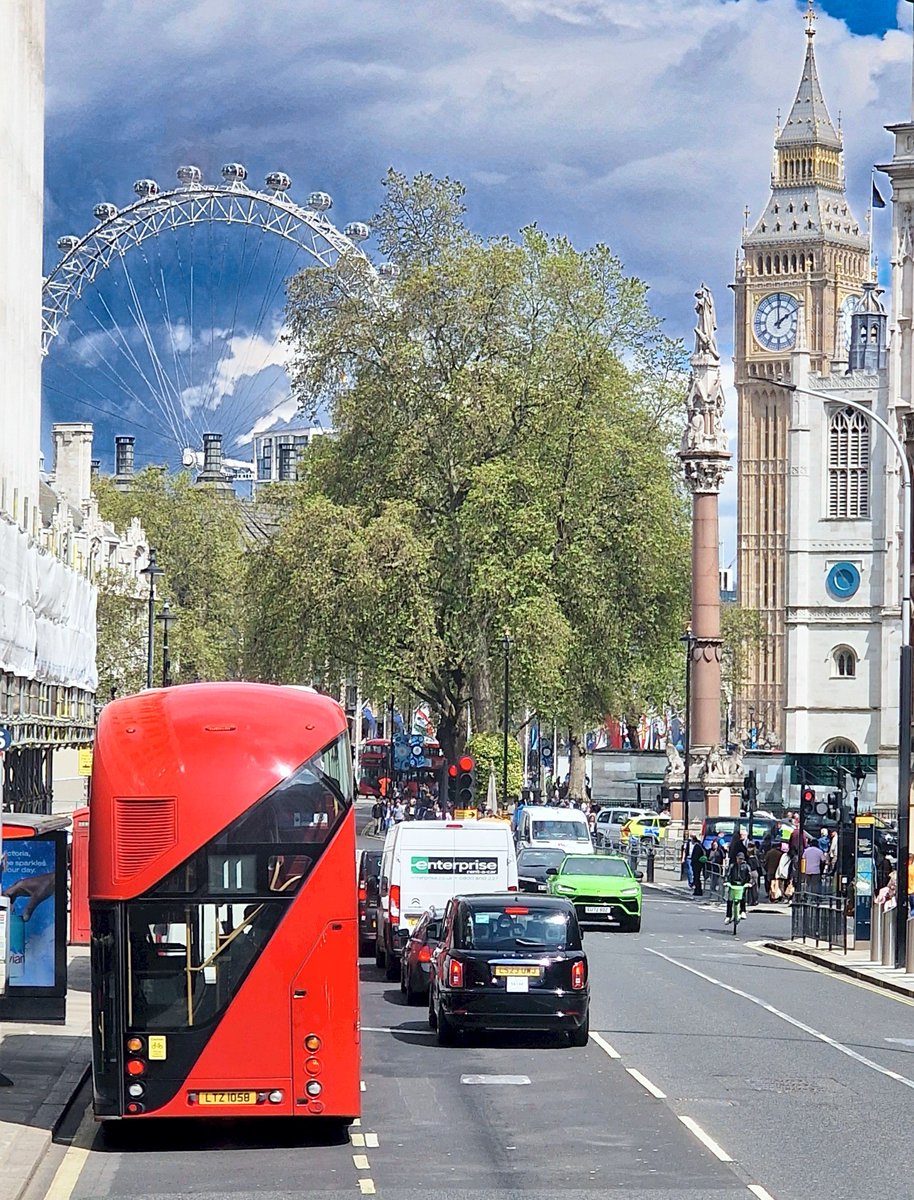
[738, 875]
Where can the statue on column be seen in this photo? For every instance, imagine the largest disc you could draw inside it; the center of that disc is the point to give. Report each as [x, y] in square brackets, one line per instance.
[706, 329]
[704, 433]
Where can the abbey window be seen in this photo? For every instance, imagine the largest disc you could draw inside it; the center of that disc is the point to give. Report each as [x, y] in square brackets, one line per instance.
[848, 466]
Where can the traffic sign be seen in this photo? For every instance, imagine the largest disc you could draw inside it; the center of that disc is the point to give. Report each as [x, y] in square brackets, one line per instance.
[546, 755]
[6, 738]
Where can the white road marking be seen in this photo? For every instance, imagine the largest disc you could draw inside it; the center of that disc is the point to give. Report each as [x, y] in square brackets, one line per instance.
[67, 1174]
[366, 1187]
[371, 1139]
[605, 1046]
[362, 1085]
[776, 1012]
[397, 1029]
[360, 1162]
[357, 1139]
[901, 1041]
[356, 1123]
[496, 1080]
[646, 1083]
[715, 1149]
[757, 1190]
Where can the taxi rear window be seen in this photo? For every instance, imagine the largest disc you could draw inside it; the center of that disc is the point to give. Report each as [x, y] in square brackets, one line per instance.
[515, 927]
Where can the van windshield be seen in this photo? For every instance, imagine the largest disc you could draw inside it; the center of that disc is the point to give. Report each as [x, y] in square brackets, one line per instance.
[560, 831]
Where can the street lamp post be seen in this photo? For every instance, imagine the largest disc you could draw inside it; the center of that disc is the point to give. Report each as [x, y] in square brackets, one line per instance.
[688, 638]
[506, 647]
[152, 571]
[905, 665]
[168, 618]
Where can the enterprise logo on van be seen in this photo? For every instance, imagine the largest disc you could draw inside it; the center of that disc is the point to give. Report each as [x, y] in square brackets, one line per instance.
[453, 864]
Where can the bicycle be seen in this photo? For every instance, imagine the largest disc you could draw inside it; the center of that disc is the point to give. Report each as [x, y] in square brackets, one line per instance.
[735, 893]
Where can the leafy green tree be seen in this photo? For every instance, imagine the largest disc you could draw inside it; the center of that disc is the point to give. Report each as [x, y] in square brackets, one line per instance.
[121, 624]
[198, 540]
[489, 751]
[503, 458]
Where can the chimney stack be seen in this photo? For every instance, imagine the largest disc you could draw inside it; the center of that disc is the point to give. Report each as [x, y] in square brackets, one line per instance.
[123, 462]
[212, 474]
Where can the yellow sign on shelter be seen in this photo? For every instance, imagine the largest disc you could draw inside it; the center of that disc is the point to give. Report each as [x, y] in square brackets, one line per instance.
[85, 760]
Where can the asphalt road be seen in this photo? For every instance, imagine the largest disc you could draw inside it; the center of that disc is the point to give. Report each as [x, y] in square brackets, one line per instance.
[805, 1081]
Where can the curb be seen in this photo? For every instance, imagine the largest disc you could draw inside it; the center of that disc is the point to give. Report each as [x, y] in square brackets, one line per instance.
[60, 1100]
[839, 968]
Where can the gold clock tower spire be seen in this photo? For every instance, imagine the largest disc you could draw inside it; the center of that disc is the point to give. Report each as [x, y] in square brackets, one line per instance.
[806, 257]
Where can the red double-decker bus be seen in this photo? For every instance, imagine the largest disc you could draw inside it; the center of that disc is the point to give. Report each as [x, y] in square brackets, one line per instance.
[375, 766]
[222, 894]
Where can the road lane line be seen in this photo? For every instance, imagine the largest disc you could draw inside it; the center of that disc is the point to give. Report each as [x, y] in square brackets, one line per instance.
[397, 1029]
[371, 1139]
[776, 1012]
[757, 1190]
[646, 1083]
[708, 1141]
[357, 1139]
[366, 1187]
[360, 1162]
[604, 1045]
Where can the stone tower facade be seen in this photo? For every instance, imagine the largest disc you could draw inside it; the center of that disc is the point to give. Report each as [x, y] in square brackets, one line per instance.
[805, 253]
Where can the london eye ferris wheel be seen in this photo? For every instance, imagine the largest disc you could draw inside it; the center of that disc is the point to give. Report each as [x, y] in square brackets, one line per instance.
[166, 319]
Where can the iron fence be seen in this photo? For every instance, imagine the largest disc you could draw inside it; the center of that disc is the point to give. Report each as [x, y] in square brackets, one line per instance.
[819, 916]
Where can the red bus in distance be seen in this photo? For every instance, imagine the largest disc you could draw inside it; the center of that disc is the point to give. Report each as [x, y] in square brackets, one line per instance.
[222, 894]
[374, 766]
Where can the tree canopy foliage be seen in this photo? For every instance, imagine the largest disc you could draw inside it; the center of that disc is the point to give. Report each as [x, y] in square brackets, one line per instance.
[503, 458]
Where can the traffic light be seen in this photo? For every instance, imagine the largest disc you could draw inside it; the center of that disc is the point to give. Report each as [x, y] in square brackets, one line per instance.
[466, 782]
[452, 787]
[811, 807]
[835, 806]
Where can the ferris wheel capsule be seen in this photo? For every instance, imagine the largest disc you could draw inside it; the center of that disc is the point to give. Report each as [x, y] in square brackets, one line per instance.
[357, 231]
[105, 212]
[389, 271]
[145, 188]
[189, 175]
[67, 243]
[234, 173]
[278, 181]
[320, 201]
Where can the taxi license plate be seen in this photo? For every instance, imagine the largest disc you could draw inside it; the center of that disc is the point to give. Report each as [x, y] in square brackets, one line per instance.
[516, 972]
[602, 909]
[216, 1098]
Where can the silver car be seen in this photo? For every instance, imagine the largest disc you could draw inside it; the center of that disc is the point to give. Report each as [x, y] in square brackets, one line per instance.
[608, 829]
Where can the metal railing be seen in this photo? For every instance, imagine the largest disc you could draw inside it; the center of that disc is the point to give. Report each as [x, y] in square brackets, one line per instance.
[821, 917]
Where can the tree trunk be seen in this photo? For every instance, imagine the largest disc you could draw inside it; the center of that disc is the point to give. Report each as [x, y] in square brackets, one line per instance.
[633, 725]
[577, 760]
[484, 718]
[449, 736]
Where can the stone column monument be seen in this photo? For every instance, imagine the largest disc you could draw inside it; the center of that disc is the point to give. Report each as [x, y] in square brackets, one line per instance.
[705, 458]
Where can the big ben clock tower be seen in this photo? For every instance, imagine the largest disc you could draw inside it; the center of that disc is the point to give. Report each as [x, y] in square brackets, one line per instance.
[802, 269]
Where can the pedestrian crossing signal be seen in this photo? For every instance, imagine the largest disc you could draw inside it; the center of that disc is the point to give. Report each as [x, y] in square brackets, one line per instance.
[452, 787]
[466, 782]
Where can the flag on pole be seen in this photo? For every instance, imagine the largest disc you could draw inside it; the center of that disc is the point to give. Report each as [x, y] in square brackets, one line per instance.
[877, 201]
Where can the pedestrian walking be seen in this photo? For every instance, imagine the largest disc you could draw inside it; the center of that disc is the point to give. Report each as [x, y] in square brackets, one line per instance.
[755, 873]
[771, 863]
[738, 873]
[813, 862]
[697, 858]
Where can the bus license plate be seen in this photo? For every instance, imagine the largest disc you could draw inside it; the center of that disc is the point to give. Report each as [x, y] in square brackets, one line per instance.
[517, 972]
[215, 1098]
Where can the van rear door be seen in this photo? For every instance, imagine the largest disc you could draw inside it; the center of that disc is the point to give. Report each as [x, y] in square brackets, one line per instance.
[459, 858]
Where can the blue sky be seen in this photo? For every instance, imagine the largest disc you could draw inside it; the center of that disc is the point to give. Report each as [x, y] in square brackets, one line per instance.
[646, 124]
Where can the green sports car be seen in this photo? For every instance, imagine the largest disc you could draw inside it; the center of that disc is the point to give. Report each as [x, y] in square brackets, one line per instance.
[601, 887]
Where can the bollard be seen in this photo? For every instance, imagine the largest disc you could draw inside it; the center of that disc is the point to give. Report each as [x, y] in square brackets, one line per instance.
[875, 931]
[888, 938]
[649, 867]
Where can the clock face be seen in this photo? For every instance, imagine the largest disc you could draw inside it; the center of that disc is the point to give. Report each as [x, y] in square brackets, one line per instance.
[847, 310]
[775, 321]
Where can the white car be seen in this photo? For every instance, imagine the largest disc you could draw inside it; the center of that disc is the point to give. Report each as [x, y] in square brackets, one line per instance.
[561, 828]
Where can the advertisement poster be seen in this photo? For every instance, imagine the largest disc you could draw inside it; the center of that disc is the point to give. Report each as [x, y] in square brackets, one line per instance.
[28, 880]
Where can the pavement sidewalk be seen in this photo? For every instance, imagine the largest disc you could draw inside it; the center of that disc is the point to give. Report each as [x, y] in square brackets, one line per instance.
[855, 963]
[47, 1064]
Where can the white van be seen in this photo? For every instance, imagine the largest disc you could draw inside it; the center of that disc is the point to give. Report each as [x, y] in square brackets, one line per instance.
[424, 863]
[554, 828]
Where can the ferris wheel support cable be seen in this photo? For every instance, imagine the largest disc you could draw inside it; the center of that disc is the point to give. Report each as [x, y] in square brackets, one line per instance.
[209, 402]
[81, 401]
[180, 371]
[105, 367]
[139, 316]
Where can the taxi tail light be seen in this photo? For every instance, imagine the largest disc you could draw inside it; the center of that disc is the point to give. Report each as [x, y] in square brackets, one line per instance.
[578, 975]
[425, 954]
[455, 974]
[393, 901]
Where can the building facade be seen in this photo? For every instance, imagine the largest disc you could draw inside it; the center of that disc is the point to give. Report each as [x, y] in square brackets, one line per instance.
[805, 253]
[278, 449]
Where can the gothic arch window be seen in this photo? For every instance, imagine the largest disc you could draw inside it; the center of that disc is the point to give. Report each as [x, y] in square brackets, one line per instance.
[760, 264]
[768, 264]
[777, 264]
[844, 663]
[840, 746]
[848, 466]
[793, 257]
[802, 262]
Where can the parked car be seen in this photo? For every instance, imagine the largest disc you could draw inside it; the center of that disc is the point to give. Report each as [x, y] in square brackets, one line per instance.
[602, 887]
[507, 962]
[649, 827]
[424, 863]
[531, 868]
[369, 878]
[416, 958]
[608, 829]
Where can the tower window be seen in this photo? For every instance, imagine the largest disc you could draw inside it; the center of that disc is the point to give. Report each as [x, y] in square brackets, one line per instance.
[848, 466]
[844, 662]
